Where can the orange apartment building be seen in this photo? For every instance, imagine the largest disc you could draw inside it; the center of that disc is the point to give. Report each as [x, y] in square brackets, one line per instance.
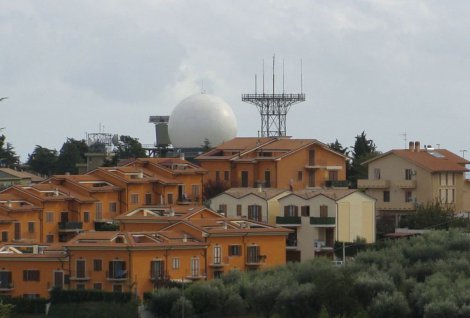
[275, 162]
[201, 244]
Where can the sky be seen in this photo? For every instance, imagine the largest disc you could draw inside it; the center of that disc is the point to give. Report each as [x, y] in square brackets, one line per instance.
[384, 67]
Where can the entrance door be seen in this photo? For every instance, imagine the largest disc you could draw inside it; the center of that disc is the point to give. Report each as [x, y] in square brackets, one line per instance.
[58, 279]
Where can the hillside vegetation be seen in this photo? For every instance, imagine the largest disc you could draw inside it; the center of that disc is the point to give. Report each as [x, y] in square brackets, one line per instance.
[426, 276]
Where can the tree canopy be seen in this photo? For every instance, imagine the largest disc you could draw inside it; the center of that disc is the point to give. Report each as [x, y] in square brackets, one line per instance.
[72, 152]
[8, 157]
[363, 150]
[43, 160]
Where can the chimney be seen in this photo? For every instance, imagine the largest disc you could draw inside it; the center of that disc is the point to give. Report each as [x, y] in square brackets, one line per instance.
[182, 155]
[417, 146]
[185, 238]
[411, 146]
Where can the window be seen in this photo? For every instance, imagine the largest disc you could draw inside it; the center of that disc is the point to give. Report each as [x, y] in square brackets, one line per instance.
[223, 209]
[311, 178]
[4, 236]
[244, 179]
[299, 175]
[254, 212]
[376, 173]
[218, 274]
[97, 265]
[135, 198]
[97, 286]
[408, 197]
[64, 216]
[386, 195]
[169, 197]
[49, 217]
[117, 269]
[86, 216]
[227, 176]
[291, 210]
[80, 268]
[267, 179]
[305, 210]
[311, 157]
[49, 238]
[408, 174]
[5, 279]
[239, 210]
[30, 227]
[253, 254]
[217, 254]
[58, 279]
[157, 269]
[333, 175]
[31, 275]
[148, 199]
[217, 176]
[195, 270]
[175, 263]
[323, 211]
[234, 250]
[98, 211]
[112, 207]
[17, 233]
[195, 191]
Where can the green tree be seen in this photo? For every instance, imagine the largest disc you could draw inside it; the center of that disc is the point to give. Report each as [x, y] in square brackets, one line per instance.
[72, 152]
[431, 215]
[213, 188]
[43, 160]
[338, 147]
[8, 157]
[162, 300]
[5, 309]
[363, 150]
[390, 305]
[206, 146]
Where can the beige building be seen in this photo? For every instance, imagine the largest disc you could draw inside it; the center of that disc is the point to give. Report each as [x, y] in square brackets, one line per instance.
[258, 204]
[321, 217]
[400, 179]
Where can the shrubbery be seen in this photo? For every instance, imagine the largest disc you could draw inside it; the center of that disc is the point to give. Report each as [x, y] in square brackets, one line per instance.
[70, 296]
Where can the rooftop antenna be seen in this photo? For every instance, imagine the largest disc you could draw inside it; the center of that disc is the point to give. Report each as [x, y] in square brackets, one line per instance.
[301, 78]
[405, 137]
[256, 85]
[282, 76]
[273, 107]
[463, 151]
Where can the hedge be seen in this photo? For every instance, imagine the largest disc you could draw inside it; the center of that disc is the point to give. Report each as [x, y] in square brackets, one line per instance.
[71, 296]
[25, 305]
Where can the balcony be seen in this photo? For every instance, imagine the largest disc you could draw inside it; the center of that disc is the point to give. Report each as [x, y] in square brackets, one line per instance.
[396, 206]
[323, 221]
[70, 226]
[196, 275]
[217, 262]
[288, 220]
[337, 184]
[255, 261]
[81, 276]
[406, 184]
[373, 184]
[117, 275]
[6, 286]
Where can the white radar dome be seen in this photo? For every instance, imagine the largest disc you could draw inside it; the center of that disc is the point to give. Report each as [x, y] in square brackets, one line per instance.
[199, 117]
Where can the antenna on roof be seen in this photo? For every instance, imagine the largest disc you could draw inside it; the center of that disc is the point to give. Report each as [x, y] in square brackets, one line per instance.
[274, 57]
[463, 151]
[405, 137]
[301, 78]
[263, 76]
[256, 85]
[282, 76]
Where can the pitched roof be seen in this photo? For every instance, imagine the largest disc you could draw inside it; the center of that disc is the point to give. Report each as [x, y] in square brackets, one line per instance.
[435, 160]
[265, 193]
[22, 174]
[334, 194]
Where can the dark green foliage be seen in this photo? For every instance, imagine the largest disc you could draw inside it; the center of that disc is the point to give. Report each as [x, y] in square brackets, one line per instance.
[162, 300]
[129, 147]
[298, 301]
[94, 310]
[207, 298]
[43, 160]
[389, 305]
[72, 152]
[363, 150]
[70, 296]
[432, 215]
[336, 146]
[23, 305]
[8, 157]
[182, 308]
[213, 188]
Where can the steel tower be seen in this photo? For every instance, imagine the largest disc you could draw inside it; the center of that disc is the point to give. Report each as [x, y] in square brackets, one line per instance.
[273, 107]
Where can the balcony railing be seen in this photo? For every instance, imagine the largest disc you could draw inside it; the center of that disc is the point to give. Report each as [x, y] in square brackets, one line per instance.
[288, 220]
[218, 261]
[116, 275]
[323, 221]
[406, 184]
[80, 276]
[397, 206]
[70, 226]
[255, 260]
[6, 286]
[373, 184]
[337, 183]
[196, 275]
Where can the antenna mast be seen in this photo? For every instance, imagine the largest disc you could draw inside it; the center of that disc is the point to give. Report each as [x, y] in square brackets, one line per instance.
[273, 107]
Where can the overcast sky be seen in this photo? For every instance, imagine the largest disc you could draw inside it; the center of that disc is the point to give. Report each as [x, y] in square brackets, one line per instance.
[383, 67]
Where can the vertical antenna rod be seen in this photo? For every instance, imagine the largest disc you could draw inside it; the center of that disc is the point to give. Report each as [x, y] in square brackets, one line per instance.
[256, 85]
[282, 76]
[301, 78]
[273, 72]
[263, 76]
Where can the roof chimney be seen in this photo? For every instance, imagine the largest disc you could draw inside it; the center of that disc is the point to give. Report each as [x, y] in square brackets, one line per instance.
[417, 146]
[411, 146]
[182, 156]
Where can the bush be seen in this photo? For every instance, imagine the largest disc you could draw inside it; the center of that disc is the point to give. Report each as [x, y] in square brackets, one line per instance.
[23, 305]
[162, 300]
[69, 296]
[387, 305]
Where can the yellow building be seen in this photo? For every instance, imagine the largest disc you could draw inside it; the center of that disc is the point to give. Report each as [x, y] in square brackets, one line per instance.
[400, 179]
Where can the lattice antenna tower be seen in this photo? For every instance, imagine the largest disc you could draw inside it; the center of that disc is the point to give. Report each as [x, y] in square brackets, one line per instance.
[273, 107]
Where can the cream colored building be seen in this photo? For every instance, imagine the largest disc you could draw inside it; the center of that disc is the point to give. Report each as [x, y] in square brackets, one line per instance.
[400, 179]
[321, 217]
[259, 204]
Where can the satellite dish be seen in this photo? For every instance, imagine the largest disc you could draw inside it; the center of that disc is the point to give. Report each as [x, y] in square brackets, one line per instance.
[115, 140]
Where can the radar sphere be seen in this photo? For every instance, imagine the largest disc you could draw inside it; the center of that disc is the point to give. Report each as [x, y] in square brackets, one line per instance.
[199, 117]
